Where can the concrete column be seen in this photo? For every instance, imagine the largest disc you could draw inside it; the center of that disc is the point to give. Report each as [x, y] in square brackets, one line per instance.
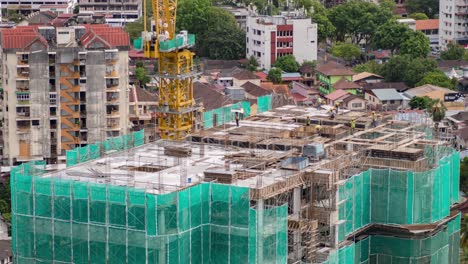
[297, 239]
[260, 205]
[161, 227]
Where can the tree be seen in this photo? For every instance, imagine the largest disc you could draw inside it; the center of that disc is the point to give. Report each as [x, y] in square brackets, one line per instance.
[252, 64]
[428, 7]
[370, 66]
[390, 36]
[420, 102]
[439, 79]
[464, 178]
[437, 111]
[14, 16]
[418, 16]
[311, 64]
[274, 75]
[416, 46]
[358, 20]
[346, 51]
[142, 77]
[76, 9]
[319, 15]
[403, 68]
[287, 63]
[453, 52]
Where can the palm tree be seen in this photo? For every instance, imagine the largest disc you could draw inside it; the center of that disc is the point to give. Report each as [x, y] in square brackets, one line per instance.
[437, 110]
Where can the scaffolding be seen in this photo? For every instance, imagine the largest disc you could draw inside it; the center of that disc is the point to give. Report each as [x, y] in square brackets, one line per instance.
[64, 221]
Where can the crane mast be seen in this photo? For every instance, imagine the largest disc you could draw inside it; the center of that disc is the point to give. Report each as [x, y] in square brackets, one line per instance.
[176, 70]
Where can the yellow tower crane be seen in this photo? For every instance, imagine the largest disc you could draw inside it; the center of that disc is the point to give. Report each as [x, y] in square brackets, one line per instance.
[176, 69]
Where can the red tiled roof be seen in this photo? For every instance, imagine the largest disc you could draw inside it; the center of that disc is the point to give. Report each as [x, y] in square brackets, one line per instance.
[141, 95]
[261, 75]
[345, 84]
[298, 97]
[332, 68]
[136, 54]
[21, 37]
[427, 24]
[107, 35]
[336, 95]
[381, 54]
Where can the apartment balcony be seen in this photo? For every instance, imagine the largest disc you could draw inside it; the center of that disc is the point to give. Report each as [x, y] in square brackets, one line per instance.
[112, 74]
[23, 87]
[23, 102]
[22, 76]
[22, 64]
[22, 129]
[113, 114]
[112, 126]
[23, 115]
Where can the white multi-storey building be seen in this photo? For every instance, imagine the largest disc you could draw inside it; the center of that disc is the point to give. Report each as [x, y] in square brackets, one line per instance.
[453, 22]
[27, 7]
[271, 37]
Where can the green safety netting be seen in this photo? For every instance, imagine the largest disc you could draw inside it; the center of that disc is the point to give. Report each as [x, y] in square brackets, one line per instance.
[389, 196]
[442, 247]
[63, 221]
[264, 103]
[94, 151]
[222, 115]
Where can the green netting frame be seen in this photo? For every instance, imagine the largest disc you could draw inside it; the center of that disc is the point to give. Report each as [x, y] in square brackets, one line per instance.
[63, 221]
[264, 103]
[93, 151]
[442, 247]
[224, 114]
[389, 196]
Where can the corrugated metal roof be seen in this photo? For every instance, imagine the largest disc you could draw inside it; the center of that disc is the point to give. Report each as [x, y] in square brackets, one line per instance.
[387, 94]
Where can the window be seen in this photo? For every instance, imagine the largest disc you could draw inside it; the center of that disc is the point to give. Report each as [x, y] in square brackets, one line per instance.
[22, 97]
[35, 122]
[356, 105]
[392, 101]
[52, 99]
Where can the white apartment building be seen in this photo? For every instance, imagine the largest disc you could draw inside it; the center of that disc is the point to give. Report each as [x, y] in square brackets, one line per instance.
[453, 22]
[27, 7]
[271, 37]
[62, 88]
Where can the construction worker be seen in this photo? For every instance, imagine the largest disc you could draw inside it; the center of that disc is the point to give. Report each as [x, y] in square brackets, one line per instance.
[332, 115]
[353, 125]
[308, 121]
[337, 106]
[319, 103]
[317, 129]
[237, 119]
[374, 119]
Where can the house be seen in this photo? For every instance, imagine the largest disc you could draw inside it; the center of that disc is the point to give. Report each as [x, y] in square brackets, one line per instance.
[6, 254]
[142, 111]
[430, 28]
[463, 82]
[399, 86]
[349, 86]
[366, 78]
[429, 90]
[288, 77]
[253, 91]
[450, 66]
[336, 97]
[307, 72]
[410, 22]
[380, 56]
[236, 77]
[303, 94]
[384, 99]
[329, 73]
[354, 102]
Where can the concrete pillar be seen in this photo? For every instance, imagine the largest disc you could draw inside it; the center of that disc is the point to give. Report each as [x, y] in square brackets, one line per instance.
[260, 206]
[297, 238]
[163, 244]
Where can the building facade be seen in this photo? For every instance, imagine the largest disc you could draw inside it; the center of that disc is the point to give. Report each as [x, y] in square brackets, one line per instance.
[60, 6]
[271, 37]
[453, 22]
[118, 13]
[63, 88]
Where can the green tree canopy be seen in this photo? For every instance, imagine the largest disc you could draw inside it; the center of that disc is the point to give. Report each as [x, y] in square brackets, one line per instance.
[464, 181]
[141, 76]
[370, 66]
[325, 28]
[418, 16]
[134, 29]
[274, 75]
[439, 79]
[420, 102]
[403, 68]
[453, 52]
[346, 51]
[437, 110]
[416, 46]
[358, 20]
[252, 65]
[428, 7]
[391, 35]
[287, 63]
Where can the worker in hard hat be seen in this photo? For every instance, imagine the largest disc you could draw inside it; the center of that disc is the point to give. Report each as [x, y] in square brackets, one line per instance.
[353, 125]
[308, 121]
[318, 128]
[332, 115]
[319, 103]
[374, 119]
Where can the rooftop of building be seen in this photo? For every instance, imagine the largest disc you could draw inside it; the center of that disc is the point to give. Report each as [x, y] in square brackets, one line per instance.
[425, 89]
[138, 94]
[209, 96]
[255, 90]
[345, 84]
[98, 35]
[427, 24]
[263, 153]
[332, 68]
[399, 86]
[365, 75]
[386, 94]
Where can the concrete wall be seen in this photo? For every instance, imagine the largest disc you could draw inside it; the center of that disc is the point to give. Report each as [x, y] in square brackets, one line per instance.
[304, 40]
[95, 96]
[122, 69]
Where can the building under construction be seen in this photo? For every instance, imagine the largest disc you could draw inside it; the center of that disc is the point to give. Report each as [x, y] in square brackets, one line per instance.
[271, 190]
